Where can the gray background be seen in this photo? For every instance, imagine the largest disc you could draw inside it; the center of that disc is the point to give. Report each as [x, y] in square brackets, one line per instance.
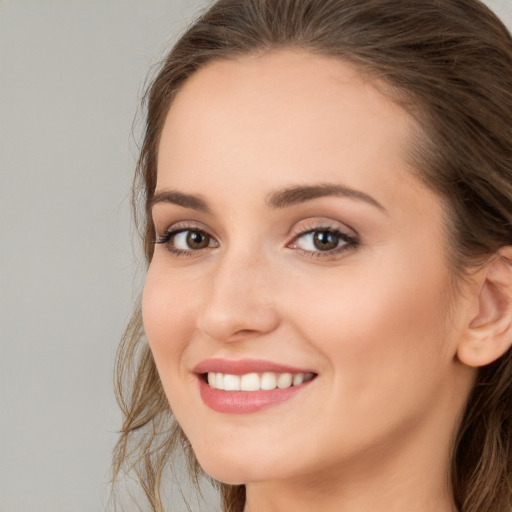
[71, 75]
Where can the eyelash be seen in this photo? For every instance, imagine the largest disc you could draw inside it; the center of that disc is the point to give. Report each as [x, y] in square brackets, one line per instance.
[166, 238]
[350, 242]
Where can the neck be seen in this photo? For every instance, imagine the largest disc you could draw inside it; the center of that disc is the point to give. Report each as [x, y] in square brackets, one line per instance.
[377, 495]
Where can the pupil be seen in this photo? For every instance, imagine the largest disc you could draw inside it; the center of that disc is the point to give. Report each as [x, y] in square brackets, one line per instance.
[325, 240]
[197, 240]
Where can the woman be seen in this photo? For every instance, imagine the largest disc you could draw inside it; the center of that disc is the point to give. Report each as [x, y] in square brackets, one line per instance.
[327, 190]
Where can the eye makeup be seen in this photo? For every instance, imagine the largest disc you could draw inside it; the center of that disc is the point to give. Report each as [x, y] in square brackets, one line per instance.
[316, 238]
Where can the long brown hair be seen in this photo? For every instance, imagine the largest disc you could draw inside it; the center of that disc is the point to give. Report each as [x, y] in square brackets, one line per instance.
[450, 63]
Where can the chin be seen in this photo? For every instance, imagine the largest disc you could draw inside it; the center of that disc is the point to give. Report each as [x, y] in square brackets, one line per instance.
[225, 472]
[235, 468]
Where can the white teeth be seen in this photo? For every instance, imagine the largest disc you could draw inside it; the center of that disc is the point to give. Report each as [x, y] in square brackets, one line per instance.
[250, 382]
[298, 379]
[268, 381]
[284, 380]
[232, 382]
[254, 382]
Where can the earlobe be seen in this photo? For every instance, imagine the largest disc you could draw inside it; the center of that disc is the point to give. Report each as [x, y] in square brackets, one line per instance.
[489, 332]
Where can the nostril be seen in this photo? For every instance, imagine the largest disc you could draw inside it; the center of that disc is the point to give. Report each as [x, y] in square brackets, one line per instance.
[244, 332]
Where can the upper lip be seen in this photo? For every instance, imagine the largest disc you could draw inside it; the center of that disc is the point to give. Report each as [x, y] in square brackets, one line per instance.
[244, 366]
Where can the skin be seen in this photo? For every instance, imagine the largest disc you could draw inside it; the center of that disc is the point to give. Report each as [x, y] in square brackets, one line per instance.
[376, 321]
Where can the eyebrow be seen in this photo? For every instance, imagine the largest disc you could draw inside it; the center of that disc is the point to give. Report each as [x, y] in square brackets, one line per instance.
[179, 198]
[280, 199]
[302, 193]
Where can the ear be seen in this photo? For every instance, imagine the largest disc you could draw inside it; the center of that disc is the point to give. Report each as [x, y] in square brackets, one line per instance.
[489, 332]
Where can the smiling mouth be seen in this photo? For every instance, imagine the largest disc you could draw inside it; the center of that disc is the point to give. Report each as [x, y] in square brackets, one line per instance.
[266, 381]
[247, 386]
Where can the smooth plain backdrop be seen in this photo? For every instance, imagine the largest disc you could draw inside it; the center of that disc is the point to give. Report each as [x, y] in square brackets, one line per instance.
[71, 77]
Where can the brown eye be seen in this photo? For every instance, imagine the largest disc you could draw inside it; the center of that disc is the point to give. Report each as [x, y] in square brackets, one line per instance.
[197, 240]
[183, 241]
[325, 240]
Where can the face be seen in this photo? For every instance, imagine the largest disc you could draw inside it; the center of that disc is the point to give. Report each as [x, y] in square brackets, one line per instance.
[296, 304]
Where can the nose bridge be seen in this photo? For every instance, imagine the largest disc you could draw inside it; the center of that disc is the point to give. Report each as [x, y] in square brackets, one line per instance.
[238, 301]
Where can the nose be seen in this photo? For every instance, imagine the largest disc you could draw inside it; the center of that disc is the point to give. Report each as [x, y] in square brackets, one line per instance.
[238, 302]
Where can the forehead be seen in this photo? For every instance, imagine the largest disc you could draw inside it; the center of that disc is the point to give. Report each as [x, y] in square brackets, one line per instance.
[288, 114]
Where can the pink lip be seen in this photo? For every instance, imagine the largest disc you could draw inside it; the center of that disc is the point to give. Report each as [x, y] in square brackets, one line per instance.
[243, 366]
[244, 402]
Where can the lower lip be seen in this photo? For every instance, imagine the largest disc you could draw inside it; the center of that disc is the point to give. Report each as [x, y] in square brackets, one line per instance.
[245, 402]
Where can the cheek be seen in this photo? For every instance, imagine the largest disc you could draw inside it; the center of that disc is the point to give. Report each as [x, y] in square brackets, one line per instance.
[166, 319]
[384, 326]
